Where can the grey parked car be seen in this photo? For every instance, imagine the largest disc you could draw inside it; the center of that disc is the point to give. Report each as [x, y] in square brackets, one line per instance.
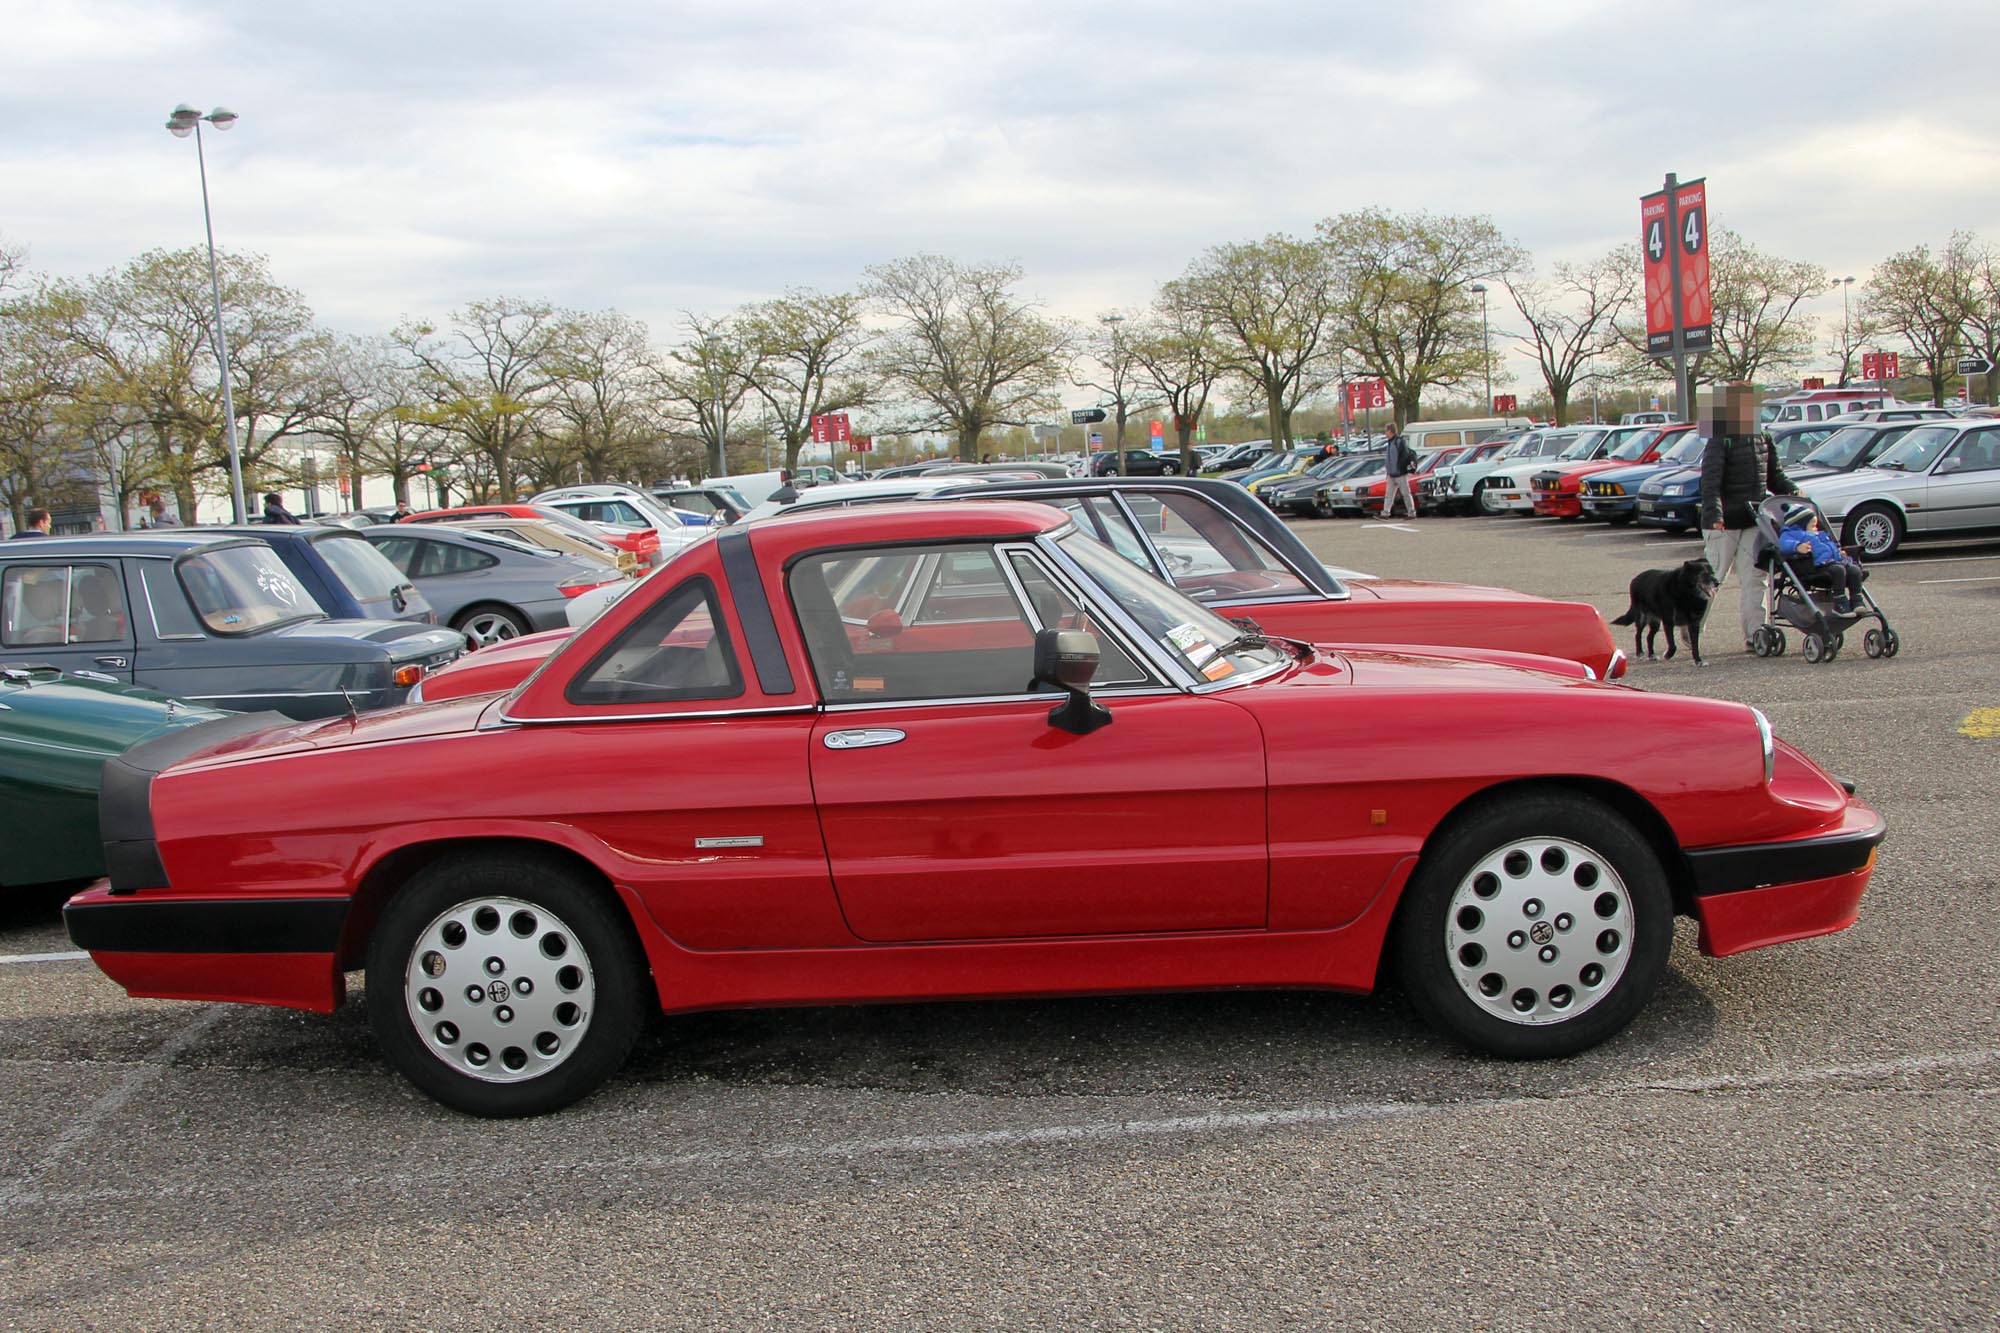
[488, 586]
[1942, 479]
[207, 616]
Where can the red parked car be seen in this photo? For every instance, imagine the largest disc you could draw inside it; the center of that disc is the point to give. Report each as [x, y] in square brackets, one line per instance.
[1558, 488]
[948, 751]
[1221, 546]
[641, 542]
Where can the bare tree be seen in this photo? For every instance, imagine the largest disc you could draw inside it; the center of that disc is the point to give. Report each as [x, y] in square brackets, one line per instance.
[966, 351]
[1109, 365]
[1922, 301]
[1572, 318]
[1179, 355]
[1980, 327]
[602, 370]
[1403, 297]
[484, 378]
[1270, 304]
[807, 359]
[706, 379]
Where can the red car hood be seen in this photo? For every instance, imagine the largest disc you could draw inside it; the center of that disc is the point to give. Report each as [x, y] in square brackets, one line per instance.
[409, 722]
[1411, 590]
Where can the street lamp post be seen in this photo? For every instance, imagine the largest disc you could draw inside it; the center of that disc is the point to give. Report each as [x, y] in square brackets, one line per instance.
[181, 122]
[1846, 348]
[1485, 343]
[1111, 322]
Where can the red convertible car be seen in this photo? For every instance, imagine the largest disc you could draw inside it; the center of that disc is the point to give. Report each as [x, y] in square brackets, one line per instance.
[1218, 544]
[774, 776]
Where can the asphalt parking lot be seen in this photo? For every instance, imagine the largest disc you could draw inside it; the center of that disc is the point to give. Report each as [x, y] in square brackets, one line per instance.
[1797, 1137]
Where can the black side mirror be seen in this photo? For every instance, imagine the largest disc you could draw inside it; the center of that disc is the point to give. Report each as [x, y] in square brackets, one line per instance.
[1067, 659]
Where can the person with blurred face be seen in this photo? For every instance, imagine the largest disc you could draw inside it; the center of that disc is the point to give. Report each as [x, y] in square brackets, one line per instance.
[1738, 470]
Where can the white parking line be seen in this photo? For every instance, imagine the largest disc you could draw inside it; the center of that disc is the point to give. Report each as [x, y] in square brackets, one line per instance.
[1939, 560]
[1023, 1136]
[110, 1104]
[69, 957]
[1984, 578]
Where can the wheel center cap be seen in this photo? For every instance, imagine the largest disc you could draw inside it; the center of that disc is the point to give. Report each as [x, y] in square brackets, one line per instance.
[497, 991]
[1541, 933]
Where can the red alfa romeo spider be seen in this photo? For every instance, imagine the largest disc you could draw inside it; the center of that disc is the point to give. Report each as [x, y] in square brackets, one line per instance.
[935, 751]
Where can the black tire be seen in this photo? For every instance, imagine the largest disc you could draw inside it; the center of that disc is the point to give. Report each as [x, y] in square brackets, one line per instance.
[1170, 469]
[1816, 650]
[1876, 528]
[1598, 860]
[488, 623]
[585, 1005]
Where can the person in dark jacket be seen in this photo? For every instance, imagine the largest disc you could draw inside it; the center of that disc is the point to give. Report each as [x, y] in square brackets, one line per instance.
[275, 511]
[1738, 469]
[1396, 462]
[39, 524]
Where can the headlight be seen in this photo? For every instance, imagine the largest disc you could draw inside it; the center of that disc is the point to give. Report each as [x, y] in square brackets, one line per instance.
[1770, 745]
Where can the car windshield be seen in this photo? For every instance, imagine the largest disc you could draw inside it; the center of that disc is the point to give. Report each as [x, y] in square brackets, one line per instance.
[1840, 449]
[242, 589]
[1584, 446]
[1209, 646]
[1634, 449]
[1916, 451]
[1769, 412]
[361, 569]
[1687, 449]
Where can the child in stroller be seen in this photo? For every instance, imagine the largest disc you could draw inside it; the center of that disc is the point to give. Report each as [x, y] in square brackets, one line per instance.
[1816, 587]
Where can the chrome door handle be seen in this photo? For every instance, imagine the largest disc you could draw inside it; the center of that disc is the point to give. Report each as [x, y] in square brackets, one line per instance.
[120, 662]
[862, 738]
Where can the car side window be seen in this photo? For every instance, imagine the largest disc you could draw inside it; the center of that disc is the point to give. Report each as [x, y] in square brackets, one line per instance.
[1975, 452]
[909, 623]
[401, 552]
[97, 606]
[675, 652]
[173, 618]
[34, 605]
[437, 559]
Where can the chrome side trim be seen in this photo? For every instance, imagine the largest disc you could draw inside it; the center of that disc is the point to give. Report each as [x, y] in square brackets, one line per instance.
[654, 717]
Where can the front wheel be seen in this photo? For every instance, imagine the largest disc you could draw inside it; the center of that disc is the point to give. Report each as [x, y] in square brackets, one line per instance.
[1875, 528]
[1534, 928]
[504, 986]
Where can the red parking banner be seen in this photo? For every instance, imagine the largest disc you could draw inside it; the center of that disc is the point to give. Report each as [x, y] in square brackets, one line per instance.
[1691, 232]
[1653, 243]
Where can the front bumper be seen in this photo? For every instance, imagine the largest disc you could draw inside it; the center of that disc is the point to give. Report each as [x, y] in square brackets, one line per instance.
[1608, 506]
[1558, 504]
[279, 951]
[1751, 896]
[1667, 511]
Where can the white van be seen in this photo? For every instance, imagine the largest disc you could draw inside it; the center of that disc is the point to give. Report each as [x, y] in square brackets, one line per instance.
[1421, 435]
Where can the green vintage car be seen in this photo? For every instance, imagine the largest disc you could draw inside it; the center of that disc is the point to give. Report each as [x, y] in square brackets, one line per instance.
[56, 731]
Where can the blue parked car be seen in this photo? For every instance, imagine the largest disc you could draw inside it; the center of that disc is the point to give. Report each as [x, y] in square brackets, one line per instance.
[343, 571]
[1614, 495]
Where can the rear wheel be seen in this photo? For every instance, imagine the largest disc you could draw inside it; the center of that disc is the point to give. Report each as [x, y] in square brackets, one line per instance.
[1534, 928]
[504, 986]
[1877, 529]
[487, 625]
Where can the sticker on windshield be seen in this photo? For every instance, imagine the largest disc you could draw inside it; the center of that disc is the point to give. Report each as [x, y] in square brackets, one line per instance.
[1194, 645]
[1219, 668]
[279, 586]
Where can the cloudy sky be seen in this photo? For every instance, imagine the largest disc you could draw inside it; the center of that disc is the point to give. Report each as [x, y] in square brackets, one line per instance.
[403, 158]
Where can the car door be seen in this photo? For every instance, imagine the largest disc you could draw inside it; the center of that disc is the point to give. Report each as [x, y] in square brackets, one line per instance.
[1963, 493]
[71, 613]
[952, 809]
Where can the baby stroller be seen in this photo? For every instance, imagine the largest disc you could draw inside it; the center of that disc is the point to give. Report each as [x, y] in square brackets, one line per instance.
[1801, 594]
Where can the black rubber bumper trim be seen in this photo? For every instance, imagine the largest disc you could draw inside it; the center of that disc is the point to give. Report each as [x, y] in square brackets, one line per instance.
[208, 925]
[1759, 865]
[125, 795]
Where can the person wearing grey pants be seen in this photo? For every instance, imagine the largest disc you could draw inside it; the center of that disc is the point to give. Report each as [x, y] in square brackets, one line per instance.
[1738, 469]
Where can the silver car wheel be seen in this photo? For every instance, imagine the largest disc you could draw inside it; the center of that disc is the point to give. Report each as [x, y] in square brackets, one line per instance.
[1539, 931]
[1874, 533]
[499, 989]
[489, 627]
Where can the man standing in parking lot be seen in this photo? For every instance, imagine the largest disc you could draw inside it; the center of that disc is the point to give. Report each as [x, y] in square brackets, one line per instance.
[1738, 470]
[275, 511]
[1396, 467]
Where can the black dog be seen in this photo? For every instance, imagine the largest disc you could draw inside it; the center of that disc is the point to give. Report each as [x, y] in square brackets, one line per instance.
[1662, 598]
